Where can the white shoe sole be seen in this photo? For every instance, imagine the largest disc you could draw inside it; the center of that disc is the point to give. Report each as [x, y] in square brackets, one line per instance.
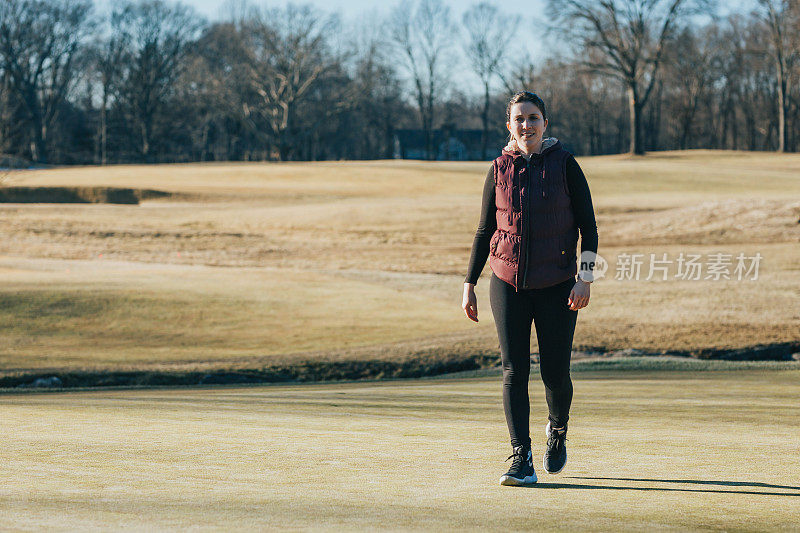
[514, 482]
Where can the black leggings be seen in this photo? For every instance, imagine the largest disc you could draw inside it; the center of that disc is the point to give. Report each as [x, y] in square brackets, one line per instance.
[555, 325]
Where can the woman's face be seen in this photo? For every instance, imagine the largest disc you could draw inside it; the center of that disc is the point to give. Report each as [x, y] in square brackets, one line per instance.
[527, 126]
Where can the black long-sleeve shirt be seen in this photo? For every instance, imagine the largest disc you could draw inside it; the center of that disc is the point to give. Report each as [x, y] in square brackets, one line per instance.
[582, 209]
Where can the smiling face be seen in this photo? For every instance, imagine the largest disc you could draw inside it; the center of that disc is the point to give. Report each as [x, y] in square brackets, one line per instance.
[527, 125]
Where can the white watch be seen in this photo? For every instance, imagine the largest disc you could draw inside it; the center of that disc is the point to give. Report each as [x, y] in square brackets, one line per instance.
[586, 276]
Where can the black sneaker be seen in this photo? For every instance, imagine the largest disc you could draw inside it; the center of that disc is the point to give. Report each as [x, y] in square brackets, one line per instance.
[521, 471]
[555, 457]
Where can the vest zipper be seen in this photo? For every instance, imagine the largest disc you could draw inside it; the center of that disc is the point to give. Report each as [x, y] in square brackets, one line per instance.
[524, 228]
[544, 189]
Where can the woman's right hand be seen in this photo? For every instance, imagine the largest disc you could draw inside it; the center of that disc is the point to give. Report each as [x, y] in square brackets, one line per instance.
[469, 303]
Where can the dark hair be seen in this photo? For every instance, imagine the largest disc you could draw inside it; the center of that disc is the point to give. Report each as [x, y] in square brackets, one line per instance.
[525, 96]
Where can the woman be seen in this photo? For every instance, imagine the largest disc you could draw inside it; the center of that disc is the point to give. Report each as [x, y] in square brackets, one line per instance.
[535, 199]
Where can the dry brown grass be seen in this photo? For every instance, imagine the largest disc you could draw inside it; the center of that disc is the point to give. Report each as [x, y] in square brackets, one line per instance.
[265, 262]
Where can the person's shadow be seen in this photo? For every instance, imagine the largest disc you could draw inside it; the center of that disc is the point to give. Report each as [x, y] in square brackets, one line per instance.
[751, 485]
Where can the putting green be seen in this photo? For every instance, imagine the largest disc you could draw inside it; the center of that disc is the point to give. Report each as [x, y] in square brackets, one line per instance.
[670, 451]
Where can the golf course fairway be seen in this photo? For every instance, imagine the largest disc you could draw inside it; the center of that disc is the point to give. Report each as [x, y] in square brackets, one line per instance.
[675, 450]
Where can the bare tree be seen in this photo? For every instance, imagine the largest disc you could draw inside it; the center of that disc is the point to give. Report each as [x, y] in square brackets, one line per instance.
[486, 45]
[39, 42]
[159, 35]
[215, 80]
[521, 78]
[736, 116]
[378, 104]
[289, 58]
[583, 108]
[691, 68]
[424, 35]
[7, 109]
[630, 35]
[781, 17]
[110, 54]
[296, 84]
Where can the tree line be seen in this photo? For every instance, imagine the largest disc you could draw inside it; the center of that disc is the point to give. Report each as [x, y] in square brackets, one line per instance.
[153, 81]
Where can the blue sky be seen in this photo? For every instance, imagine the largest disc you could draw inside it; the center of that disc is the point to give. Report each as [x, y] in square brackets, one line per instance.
[348, 8]
[354, 8]
[357, 11]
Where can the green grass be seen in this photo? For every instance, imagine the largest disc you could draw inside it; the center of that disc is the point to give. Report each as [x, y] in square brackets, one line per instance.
[681, 451]
[623, 366]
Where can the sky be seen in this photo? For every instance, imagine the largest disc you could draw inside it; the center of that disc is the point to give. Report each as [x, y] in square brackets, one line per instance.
[348, 8]
[355, 12]
[354, 8]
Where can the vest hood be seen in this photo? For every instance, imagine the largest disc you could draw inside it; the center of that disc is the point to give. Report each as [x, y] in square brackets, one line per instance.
[549, 144]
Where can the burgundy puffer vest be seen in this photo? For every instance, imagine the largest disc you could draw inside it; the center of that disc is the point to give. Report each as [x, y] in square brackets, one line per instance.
[535, 243]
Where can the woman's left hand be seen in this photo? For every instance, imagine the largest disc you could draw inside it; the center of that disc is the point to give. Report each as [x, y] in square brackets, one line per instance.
[579, 296]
